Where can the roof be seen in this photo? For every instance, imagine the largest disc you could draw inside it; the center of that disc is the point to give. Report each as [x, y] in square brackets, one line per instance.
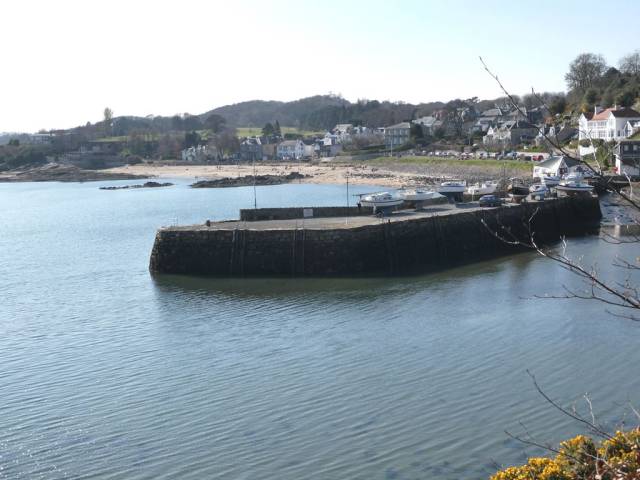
[634, 137]
[616, 112]
[428, 120]
[289, 143]
[492, 112]
[522, 124]
[555, 160]
[400, 125]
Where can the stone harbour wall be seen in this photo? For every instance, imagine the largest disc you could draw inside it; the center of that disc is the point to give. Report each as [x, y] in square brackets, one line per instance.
[401, 247]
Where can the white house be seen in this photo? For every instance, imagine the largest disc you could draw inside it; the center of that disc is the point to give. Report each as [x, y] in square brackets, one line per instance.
[290, 150]
[195, 154]
[343, 131]
[558, 165]
[609, 124]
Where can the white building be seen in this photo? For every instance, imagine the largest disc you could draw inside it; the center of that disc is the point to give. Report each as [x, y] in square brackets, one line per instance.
[195, 154]
[558, 166]
[290, 150]
[609, 124]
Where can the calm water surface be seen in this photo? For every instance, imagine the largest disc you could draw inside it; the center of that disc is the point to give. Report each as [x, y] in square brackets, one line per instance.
[107, 372]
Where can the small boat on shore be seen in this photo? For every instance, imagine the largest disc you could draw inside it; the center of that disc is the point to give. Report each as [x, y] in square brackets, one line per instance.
[517, 188]
[453, 186]
[571, 187]
[539, 191]
[418, 194]
[381, 200]
[484, 188]
[550, 180]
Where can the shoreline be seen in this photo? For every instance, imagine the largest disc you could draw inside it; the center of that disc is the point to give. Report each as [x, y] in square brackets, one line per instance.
[388, 174]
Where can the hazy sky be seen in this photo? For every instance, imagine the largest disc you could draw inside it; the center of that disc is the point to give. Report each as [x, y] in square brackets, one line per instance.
[63, 61]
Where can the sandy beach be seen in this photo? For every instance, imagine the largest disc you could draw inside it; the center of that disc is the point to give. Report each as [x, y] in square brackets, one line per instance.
[390, 175]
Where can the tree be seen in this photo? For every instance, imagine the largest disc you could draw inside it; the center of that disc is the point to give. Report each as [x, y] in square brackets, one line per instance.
[192, 122]
[557, 105]
[191, 139]
[626, 97]
[108, 116]
[268, 130]
[215, 123]
[630, 63]
[177, 123]
[585, 70]
[14, 142]
[416, 133]
[226, 142]
[591, 97]
[530, 101]
[276, 129]
[108, 119]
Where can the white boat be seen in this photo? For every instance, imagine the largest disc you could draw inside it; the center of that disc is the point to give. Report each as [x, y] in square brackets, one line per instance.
[538, 189]
[418, 194]
[550, 180]
[483, 188]
[571, 186]
[381, 200]
[573, 177]
[453, 186]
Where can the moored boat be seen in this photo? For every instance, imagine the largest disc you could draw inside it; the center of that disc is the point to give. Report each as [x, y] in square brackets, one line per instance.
[381, 200]
[453, 186]
[572, 187]
[539, 191]
[483, 188]
[550, 180]
[418, 194]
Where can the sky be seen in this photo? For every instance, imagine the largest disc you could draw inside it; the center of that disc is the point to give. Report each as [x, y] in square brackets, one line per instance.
[62, 62]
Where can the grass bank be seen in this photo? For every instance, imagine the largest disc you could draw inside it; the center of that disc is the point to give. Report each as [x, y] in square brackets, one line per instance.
[453, 162]
[253, 131]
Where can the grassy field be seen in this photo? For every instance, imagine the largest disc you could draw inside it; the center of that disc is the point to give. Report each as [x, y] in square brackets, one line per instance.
[252, 131]
[440, 161]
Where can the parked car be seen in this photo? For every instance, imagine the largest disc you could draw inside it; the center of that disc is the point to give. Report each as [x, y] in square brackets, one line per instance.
[490, 201]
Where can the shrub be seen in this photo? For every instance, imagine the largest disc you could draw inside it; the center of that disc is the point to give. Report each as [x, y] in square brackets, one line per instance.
[580, 458]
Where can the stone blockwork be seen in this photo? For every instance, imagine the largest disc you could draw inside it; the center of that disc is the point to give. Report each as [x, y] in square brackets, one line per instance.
[408, 246]
[252, 215]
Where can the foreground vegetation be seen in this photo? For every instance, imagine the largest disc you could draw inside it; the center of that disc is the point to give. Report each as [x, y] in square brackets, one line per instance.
[444, 161]
[581, 458]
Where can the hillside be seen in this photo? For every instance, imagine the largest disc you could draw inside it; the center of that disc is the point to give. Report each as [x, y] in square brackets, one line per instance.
[320, 112]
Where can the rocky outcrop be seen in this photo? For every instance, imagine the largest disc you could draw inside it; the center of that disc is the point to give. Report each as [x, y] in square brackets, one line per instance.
[249, 180]
[54, 172]
[144, 185]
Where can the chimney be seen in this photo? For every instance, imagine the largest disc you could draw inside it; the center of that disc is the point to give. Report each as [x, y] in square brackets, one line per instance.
[597, 109]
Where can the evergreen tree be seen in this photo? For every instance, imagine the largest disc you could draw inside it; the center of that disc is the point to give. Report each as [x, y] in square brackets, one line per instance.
[268, 129]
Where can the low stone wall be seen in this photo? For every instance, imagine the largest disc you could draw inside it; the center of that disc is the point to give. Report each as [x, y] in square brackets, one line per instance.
[252, 215]
[409, 246]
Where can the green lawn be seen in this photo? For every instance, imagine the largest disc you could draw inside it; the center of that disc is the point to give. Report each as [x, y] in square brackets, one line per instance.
[515, 164]
[253, 131]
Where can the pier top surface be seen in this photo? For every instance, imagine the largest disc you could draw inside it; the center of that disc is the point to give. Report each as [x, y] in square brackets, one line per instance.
[330, 223]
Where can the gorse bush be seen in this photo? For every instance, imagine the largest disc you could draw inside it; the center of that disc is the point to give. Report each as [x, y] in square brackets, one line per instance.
[580, 458]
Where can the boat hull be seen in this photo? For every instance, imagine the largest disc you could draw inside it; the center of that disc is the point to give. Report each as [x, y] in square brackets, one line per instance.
[380, 204]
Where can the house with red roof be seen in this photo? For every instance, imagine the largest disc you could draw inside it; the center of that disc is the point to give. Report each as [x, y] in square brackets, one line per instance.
[608, 124]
